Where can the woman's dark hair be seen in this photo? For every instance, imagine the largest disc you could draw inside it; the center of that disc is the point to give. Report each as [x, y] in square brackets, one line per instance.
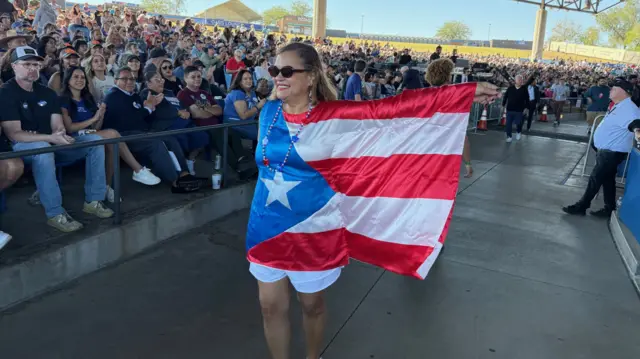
[321, 87]
[160, 67]
[260, 61]
[180, 59]
[42, 45]
[85, 95]
[237, 81]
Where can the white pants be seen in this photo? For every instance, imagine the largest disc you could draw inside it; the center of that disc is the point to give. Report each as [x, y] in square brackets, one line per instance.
[303, 282]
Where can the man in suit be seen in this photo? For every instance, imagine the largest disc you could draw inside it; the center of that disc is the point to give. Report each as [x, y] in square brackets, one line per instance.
[534, 100]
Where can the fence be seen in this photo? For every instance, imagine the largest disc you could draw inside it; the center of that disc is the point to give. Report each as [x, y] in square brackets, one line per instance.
[116, 152]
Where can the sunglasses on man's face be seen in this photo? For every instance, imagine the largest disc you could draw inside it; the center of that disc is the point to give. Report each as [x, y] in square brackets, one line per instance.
[286, 71]
[167, 67]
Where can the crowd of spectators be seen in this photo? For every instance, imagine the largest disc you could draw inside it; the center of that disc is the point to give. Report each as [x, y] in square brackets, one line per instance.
[79, 75]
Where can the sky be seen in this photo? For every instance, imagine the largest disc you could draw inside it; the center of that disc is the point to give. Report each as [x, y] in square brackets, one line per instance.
[508, 19]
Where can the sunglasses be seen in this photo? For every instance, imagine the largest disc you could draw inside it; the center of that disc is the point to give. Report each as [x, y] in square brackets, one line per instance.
[167, 67]
[286, 71]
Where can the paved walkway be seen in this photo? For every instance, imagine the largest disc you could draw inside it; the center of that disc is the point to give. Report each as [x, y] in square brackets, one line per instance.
[518, 280]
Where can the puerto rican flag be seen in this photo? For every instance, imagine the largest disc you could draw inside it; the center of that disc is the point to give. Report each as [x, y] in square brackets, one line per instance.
[374, 181]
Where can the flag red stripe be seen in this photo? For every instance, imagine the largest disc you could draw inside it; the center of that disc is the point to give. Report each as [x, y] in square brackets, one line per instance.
[422, 103]
[302, 251]
[398, 176]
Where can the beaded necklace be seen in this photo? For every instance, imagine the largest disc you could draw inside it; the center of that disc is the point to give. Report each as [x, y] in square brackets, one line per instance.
[295, 138]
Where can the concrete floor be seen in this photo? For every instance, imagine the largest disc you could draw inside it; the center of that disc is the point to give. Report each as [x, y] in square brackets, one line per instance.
[518, 280]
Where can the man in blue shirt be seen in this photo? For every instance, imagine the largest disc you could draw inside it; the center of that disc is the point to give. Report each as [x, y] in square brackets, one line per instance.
[598, 98]
[354, 83]
[613, 142]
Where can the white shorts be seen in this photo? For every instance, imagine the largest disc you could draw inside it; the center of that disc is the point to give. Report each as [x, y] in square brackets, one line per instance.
[303, 282]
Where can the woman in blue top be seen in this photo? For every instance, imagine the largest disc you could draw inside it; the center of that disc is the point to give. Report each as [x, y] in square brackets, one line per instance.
[81, 115]
[242, 104]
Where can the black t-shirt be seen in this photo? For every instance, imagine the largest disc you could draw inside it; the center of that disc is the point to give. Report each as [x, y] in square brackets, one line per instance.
[32, 108]
[98, 17]
[434, 56]
[404, 59]
[454, 58]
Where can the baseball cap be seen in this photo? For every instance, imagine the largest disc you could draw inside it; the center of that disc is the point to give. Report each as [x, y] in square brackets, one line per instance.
[623, 84]
[67, 52]
[25, 53]
[156, 53]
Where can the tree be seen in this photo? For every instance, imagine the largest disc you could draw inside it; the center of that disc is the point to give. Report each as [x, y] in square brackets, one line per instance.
[619, 24]
[273, 14]
[566, 31]
[301, 8]
[164, 6]
[454, 30]
[590, 36]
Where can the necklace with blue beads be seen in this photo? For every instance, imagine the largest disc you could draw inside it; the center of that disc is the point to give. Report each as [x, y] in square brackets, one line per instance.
[295, 138]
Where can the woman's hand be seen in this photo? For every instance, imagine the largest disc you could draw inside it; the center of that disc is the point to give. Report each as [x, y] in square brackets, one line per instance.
[184, 114]
[486, 93]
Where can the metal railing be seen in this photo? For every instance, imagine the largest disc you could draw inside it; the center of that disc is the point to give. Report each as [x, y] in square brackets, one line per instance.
[116, 151]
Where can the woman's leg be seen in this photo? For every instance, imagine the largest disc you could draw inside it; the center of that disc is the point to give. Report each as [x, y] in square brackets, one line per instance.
[274, 302]
[314, 316]
[125, 154]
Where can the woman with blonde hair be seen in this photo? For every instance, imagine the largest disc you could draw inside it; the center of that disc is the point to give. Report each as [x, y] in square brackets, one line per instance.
[99, 81]
[297, 227]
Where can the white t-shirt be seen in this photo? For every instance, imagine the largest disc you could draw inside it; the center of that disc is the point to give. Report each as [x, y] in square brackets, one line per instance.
[102, 87]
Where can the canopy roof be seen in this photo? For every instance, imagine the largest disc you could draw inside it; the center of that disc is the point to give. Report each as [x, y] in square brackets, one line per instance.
[232, 10]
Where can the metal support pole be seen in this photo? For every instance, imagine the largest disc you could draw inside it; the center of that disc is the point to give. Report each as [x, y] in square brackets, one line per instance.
[117, 218]
[225, 144]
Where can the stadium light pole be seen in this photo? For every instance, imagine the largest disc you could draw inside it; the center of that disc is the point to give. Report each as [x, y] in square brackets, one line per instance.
[489, 34]
[362, 26]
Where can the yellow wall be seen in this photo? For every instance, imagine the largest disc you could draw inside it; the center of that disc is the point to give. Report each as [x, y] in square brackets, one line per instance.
[483, 51]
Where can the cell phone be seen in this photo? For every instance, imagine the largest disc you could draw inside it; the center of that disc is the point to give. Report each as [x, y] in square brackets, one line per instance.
[86, 132]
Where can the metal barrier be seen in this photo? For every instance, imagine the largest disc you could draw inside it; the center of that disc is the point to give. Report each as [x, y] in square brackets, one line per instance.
[116, 151]
[494, 112]
[592, 129]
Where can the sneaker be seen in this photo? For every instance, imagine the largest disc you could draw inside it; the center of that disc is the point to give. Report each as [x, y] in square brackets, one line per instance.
[509, 140]
[575, 209]
[518, 136]
[145, 176]
[190, 166]
[98, 209]
[601, 213]
[63, 222]
[111, 195]
[4, 238]
[556, 124]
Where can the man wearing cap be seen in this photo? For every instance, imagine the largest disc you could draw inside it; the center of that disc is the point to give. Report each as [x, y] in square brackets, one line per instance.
[156, 56]
[14, 39]
[5, 22]
[613, 142]
[209, 58]
[31, 118]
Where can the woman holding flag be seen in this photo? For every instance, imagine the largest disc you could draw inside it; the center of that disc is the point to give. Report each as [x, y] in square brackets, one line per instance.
[342, 179]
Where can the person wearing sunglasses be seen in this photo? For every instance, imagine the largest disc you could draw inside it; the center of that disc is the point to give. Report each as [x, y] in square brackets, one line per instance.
[171, 81]
[297, 231]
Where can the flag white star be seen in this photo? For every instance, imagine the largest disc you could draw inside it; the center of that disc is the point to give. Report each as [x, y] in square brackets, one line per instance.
[278, 189]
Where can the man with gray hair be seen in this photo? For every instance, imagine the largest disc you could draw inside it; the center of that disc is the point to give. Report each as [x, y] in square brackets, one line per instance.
[516, 99]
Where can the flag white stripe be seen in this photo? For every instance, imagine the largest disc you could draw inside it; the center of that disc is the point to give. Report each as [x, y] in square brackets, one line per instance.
[337, 138]
[397, 220]
[394, 220]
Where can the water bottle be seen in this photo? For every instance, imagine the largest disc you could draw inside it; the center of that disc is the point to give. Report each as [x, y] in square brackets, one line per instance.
[218, 163]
